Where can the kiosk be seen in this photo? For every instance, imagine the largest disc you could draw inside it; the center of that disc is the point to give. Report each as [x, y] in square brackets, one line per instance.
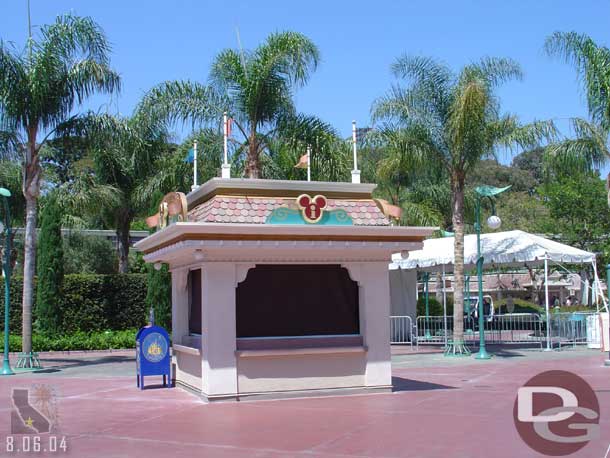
[279, 288]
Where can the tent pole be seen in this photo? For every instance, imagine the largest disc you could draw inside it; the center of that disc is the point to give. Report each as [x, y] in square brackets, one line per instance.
[444, 306]
[426, 299]
[546, 303]
[607, 362]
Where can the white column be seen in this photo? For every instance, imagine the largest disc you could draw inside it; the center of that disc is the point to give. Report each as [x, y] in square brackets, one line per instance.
[355, 172]
[219, 368]
[194, 166]
[374, 296]
[308, 163]
[226, 167]
[180, 304]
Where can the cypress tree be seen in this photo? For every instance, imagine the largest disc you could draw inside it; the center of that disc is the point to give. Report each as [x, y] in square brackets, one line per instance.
[50, 270]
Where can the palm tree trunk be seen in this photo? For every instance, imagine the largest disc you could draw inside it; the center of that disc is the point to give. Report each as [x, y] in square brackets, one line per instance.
[122, 233]
[252, 162]
[457, 185]
[31, 190]
[29, 270]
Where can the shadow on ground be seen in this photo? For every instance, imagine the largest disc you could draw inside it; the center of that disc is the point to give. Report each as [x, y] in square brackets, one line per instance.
[58, 364]
[404, 384]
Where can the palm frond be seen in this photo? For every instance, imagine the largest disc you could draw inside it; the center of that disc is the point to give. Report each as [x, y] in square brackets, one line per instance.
[423, 71]
[592, 63]
[588, 150]
[182, 102]
[69, 63]
[289, 54]
[497, 70]
[13, 89]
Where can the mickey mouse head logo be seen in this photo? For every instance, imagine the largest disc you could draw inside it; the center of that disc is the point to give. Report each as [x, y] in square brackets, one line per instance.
[312, 207]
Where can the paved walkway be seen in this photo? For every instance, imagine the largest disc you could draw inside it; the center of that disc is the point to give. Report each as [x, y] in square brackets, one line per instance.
[442, 407]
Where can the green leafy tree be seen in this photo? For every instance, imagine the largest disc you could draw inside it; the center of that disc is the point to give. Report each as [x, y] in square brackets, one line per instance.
[491, 172]
[532, 162]
[525, 211]
[87, 254]
[159, 295]
[50, 270]
[578, 208]
[11, 178]
[256, 89]
[39, 88]
[455, 120]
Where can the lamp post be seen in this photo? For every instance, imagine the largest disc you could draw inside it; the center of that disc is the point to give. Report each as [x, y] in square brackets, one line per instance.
[607, 362]
[493, 222]
[6, 265]
[427, 302]
[467, 306]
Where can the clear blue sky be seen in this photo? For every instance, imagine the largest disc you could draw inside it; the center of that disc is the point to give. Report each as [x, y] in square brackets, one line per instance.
[163, 40]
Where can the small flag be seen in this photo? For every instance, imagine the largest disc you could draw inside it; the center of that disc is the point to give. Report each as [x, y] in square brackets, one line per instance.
[190, 157]
[229, 126]
[302, 164]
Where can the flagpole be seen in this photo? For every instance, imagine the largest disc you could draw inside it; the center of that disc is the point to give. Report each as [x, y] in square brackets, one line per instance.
[226, 167]
[355, 172]
[308, 163]
[194, 166]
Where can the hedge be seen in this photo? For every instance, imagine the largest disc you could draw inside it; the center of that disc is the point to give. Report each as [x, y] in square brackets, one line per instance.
[90, 303]
[435, 307]
[104, 340]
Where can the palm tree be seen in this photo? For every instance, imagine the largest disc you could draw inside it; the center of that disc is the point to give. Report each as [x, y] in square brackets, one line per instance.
[122, 155]
[589, 146]
[255, 88]
[455, 120]
[38, 91]
[423, 194]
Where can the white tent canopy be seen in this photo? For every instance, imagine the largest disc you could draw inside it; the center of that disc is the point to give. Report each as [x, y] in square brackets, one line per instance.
[516, 248]
[506, 248]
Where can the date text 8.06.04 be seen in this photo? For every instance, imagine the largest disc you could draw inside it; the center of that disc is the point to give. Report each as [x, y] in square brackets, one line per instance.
[45, 443]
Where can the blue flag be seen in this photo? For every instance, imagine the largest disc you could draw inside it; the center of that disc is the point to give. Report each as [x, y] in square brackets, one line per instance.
[190, 157]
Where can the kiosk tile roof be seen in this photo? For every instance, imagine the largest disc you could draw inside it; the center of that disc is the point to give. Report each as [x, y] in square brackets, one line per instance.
[255, 210]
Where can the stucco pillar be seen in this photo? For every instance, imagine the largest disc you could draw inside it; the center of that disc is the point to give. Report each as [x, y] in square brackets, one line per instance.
[374, 295]
[219, 370]
[180, 304]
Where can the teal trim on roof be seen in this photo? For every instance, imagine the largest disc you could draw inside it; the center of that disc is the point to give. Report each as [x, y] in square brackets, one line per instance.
[284, 215]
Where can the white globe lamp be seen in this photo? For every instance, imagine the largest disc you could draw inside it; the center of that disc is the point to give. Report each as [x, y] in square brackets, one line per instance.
[494, 222]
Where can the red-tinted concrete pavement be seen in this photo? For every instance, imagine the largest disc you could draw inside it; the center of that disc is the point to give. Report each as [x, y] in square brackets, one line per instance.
[442, 408]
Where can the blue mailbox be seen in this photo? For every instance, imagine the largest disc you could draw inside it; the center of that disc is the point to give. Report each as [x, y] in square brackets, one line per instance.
[152, 354]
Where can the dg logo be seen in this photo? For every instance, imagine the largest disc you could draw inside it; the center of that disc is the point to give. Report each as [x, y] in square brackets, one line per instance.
[556, 413]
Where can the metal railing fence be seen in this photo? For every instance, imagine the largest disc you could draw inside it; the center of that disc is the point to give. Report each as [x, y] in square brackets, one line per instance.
[401, 330]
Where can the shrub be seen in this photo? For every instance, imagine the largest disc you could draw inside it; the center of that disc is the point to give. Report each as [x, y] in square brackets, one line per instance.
[435, 307]
[91, 303]
[521, 306]
[100, 340]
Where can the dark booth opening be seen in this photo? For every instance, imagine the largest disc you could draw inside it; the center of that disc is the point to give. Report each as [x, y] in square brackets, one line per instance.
[297, 300]
[194, 284]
